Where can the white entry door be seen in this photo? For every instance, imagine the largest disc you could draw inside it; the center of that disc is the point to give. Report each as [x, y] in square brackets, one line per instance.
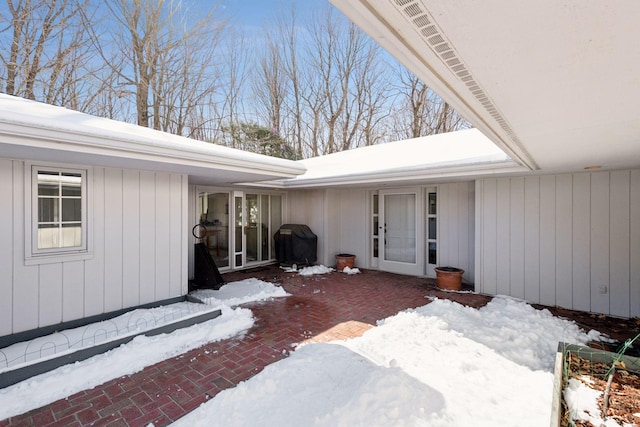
[400, 225]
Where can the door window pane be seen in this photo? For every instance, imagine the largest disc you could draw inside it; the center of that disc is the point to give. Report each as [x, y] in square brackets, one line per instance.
[432, 253]
[214, 216]
[400, 228]
[432, 228]
[432, 204]
[238, 230]
[251, 230]
[263, 230]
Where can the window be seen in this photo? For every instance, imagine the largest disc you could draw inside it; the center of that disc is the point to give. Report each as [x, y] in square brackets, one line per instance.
[376, 224]
[432, 235]
[58, 206]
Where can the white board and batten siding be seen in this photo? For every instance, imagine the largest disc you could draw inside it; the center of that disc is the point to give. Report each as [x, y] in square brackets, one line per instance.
[137, 244]
[341, 218]
[343, 222]
[349, 225]
[309, 207]
[568, 240]
[456, 225]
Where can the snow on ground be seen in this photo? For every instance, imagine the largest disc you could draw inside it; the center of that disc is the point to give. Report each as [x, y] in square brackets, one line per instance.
[318, 269]
[439, 365]
[315, 269]
[349, 270]
[582, 402]
[142, 351]
[240, 292]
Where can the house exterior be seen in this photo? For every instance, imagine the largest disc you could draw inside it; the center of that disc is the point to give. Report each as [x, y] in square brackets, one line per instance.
[554, 84]
[541, 201]
[98, 213]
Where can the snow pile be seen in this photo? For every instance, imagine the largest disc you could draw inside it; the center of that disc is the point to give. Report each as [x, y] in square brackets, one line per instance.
[439, 365]
[240, 292]
[321, 385]
[349, 270]
[500, 325]
[315, 269]
[141, 352]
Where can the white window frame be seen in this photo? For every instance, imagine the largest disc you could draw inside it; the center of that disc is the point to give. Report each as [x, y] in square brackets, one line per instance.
[34, 255]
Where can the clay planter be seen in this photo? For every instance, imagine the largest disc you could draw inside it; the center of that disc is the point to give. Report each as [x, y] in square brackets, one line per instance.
[449, 278]
[345, 260]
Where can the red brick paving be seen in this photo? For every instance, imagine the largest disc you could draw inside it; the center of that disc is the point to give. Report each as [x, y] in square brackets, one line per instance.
[321, 308]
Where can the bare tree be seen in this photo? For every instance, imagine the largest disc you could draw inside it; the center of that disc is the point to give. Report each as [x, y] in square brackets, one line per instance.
[165, 57]
[374, 98]
[270, 82]
[48, 50]
[289, 35]
[235, 73]
[420, 111]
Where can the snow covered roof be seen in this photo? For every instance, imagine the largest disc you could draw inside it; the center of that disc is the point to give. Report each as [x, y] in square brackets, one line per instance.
[464, 153]
[36, 131]
[40, 132]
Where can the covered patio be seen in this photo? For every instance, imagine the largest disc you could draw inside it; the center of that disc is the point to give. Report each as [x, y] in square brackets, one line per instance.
[321, 308]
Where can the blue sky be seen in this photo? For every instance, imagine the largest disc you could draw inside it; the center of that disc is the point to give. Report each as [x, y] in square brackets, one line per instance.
[257, 13]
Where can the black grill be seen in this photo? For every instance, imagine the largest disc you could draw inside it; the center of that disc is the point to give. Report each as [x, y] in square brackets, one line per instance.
[296, 244]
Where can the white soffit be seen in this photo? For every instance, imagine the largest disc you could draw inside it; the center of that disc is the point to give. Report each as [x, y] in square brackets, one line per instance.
[554, 83]
[36, 131]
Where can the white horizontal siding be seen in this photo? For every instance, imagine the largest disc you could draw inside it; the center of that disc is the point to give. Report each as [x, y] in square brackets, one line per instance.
[137, 229]
[573, 240]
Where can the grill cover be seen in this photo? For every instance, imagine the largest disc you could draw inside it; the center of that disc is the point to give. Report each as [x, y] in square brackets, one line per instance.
[295, 244]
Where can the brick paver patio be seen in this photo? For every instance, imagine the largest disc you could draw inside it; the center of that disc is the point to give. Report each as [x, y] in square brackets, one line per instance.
[321, 308]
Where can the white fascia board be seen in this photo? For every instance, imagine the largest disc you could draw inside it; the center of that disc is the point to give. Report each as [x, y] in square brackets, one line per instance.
[186, 152]
[451, 171]
[371, 17]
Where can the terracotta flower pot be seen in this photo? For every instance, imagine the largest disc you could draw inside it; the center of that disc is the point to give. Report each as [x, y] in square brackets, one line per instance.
[449, 278]
[345, 260]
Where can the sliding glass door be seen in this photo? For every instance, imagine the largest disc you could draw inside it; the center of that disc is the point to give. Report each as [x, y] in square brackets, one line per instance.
[239, 226]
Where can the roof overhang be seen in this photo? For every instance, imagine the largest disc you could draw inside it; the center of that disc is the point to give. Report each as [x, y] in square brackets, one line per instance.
[553, 83]
[39, 132]
[461, 155]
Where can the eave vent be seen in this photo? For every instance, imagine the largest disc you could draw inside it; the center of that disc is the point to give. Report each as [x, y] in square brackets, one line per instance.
[434, 38]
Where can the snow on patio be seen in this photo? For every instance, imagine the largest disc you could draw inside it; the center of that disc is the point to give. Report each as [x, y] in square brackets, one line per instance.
[142, 351]
[442, 364]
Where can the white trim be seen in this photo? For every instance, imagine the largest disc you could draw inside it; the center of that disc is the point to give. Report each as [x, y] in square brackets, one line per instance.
[35, 256]
[415, 268]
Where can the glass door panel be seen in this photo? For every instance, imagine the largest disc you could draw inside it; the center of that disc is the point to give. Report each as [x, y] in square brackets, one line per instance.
[214, 216]
[263, 230]
[252, 226]
[399, 225]
[432, 231]
[400, 228]
[238, 226]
